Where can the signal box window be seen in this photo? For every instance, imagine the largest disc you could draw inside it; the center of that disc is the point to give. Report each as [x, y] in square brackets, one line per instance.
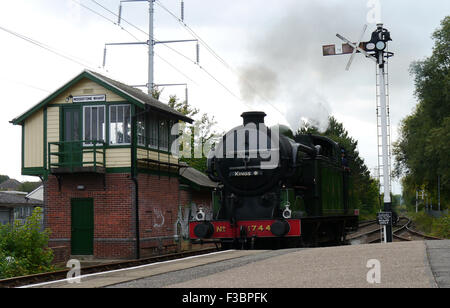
[153, 131]
[94, 124]
[141, 135]
[163, 135]
[120, 125]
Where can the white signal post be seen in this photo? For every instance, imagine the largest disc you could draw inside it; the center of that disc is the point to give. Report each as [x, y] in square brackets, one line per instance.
[384, 132]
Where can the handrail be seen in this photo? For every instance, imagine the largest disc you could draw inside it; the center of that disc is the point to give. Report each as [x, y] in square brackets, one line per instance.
[96, 147]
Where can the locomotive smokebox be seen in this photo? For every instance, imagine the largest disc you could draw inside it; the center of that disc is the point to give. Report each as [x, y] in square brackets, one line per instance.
[256, 117]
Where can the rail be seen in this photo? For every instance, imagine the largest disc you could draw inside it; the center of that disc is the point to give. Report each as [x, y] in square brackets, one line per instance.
[60, 275]
[414, 233]
[374, 235]
[366, 223]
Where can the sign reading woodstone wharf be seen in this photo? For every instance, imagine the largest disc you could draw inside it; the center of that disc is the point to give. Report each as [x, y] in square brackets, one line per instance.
[89, 99]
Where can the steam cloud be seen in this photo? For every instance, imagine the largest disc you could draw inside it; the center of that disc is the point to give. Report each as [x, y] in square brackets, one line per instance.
[258, 81]
[288, 68]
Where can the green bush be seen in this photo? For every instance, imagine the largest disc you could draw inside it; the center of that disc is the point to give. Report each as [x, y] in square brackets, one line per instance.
[439, 227]
[24, 248]
[423, 222]
[367, 216]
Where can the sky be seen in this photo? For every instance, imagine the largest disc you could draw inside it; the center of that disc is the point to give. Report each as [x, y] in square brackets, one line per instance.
[267, 55]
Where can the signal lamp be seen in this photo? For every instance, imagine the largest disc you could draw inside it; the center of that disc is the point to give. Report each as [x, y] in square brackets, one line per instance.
[380, 45]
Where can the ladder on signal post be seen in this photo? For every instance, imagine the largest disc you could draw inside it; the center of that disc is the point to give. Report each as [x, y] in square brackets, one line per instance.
[380, 173]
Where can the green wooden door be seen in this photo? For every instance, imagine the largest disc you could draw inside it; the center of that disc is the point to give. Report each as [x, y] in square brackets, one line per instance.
[82, 226]
[72, 147]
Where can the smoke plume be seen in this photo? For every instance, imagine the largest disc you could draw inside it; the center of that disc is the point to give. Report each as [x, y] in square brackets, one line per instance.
[287, 67]
[258, 82]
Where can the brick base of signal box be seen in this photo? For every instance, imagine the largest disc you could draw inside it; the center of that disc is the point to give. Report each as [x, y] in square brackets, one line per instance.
[113, 199]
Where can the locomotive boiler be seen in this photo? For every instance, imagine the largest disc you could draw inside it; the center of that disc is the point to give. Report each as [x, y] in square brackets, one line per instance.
[276, 190]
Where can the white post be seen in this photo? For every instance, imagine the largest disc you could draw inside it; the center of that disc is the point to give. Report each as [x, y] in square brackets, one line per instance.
[439, 193]
[417, 201]
[384, 133]
[382, 234]
[385, 148]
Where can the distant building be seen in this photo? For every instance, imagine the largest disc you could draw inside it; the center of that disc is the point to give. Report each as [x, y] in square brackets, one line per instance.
[15, 207]
[199, 188]
[10, 185]
[15, 192]
[196, 192]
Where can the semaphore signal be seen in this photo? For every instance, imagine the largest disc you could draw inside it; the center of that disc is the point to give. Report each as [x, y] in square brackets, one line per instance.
[376, 50]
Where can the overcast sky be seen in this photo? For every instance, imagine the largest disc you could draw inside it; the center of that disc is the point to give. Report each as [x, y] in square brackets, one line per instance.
[272, 51]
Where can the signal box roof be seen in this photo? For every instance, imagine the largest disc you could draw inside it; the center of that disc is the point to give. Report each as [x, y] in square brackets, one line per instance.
[129, 93]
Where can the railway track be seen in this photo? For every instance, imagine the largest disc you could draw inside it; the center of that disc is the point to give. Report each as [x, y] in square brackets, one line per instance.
[368, 230]
[408, 234]
[371, 233]
[366, 223]
[59, 275]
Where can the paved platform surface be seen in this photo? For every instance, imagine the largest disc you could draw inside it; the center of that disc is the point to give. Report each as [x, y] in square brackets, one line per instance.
[152, 270]
[401, 265]
[439, 257]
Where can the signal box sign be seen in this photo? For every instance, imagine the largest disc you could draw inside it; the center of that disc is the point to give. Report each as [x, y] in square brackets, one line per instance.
[89, 98]
[384, 218]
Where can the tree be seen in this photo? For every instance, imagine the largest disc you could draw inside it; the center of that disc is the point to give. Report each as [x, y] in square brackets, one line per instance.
[422, 149]
[28, 186]
[196, 138]
[3, 178]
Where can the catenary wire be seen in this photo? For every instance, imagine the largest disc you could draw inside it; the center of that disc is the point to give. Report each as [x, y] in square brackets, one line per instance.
[137, 28]
[179, 53]
[48, 48]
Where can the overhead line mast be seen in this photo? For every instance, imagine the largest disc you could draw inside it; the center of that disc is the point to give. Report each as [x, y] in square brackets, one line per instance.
[151, 43]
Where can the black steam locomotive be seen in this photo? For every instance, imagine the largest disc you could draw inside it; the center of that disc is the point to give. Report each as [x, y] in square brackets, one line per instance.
[277, 190]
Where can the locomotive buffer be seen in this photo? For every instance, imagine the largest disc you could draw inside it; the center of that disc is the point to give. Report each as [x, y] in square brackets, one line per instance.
[375, 50]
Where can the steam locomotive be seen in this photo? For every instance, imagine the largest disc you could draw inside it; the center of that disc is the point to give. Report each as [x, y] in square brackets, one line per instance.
[276, 190]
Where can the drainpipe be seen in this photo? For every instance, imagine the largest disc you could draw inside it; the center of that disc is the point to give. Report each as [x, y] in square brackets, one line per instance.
[135, 181]
[134, 173]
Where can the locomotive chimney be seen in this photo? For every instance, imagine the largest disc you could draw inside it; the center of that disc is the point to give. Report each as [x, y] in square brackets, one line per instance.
[256, 117]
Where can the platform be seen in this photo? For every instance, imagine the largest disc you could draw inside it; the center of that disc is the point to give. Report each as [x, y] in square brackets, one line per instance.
[401, 265]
